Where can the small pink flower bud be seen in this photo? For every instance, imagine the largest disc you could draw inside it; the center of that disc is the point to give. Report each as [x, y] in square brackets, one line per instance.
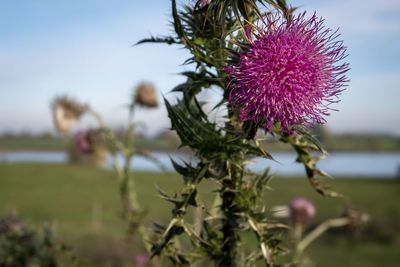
[141, 260]
[301, 210]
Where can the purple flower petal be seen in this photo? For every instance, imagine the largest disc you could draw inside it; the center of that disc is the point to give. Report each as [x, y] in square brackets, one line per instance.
[290, 74]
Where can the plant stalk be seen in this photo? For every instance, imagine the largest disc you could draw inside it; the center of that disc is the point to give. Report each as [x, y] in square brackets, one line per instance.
[230, 225]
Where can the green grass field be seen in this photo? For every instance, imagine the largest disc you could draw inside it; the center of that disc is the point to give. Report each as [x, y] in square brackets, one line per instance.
[82, 205]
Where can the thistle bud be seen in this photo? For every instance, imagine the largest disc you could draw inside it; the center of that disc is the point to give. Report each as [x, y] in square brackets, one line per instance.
[142, 260]
[146, 95]
[301, 210]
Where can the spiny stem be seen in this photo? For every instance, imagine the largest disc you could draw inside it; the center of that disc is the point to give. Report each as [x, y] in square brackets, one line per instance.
[230, 223]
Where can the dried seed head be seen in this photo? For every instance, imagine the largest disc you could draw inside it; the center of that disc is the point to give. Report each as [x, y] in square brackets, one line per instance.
[146, 95]
[66, 112]
[357, 218]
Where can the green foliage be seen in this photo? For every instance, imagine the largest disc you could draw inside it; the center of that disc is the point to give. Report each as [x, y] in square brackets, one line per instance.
[21, 246]
[306, 146]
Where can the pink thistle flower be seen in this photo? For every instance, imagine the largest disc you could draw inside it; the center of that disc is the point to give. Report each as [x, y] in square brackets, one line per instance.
[82, 142]
[301, 210]
[202, 3]
[141, 260]
[290, 73]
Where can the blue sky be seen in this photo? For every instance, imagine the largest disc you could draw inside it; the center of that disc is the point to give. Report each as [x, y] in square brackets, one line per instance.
[83, 48]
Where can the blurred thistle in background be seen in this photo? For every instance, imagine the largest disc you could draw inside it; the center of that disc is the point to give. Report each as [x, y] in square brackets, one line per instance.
[66, 112]
[89, 148]
[142, 260]
[22, 245]
[301, 210]
[145, 95]
[10, 223]
[83, 142]
[92, 147]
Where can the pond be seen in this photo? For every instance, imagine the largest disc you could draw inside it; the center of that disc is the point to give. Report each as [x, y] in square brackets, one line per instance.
[374, 165]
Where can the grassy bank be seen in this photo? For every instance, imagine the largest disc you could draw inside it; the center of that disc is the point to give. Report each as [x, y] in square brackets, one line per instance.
[28, 143]
[169, 142]
[82, 204]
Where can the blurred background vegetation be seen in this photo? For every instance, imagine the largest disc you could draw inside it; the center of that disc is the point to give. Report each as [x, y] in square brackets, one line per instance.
[168, 141]
[81, 205]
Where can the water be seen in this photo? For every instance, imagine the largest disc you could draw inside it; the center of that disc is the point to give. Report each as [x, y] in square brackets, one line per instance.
[380, 165]
[34, 156]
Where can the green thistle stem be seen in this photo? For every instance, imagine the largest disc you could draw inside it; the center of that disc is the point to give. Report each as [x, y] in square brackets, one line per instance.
[320, 229]
[303, 243]
[131, 208]
[297, 236]
[230, 225]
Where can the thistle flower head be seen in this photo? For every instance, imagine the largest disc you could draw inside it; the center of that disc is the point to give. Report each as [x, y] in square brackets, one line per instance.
[289, 74]
[301, 210]
[86, 142]
[82, 143]
[146, 95]
[66, 111]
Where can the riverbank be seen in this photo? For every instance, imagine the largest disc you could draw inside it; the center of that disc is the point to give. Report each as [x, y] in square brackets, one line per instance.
[169, 142]
[82, 205]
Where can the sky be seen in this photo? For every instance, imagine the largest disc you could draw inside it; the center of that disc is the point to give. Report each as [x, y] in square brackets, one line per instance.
[84, 49]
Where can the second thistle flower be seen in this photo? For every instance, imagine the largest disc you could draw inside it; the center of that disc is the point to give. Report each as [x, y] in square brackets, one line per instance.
[290, 73]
